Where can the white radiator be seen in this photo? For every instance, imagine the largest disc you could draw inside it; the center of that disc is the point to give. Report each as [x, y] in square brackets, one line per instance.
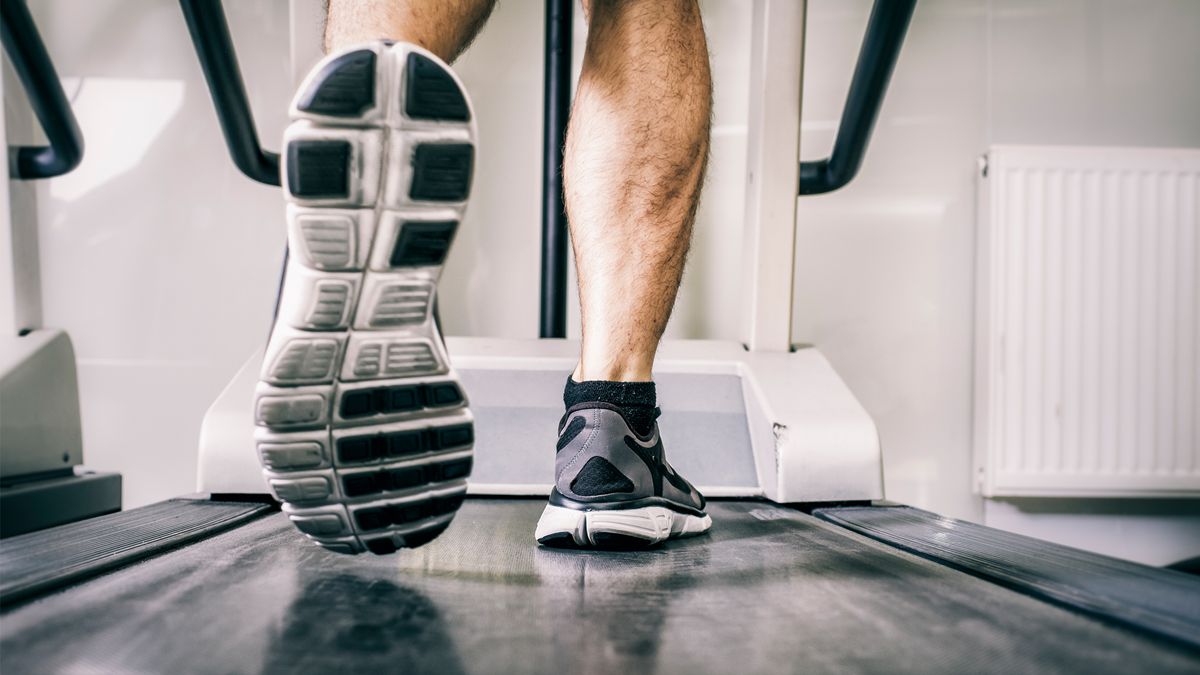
[1087, 338]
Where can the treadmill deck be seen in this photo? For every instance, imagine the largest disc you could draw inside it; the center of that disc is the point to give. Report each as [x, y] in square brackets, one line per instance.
[769, 590]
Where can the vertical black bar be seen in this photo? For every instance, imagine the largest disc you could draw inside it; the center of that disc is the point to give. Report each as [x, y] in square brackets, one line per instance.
[210, 35]
[557, 107]
[43, 88]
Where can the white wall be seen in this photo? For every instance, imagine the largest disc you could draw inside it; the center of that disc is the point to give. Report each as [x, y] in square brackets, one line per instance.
[885, 280]
[884, 266]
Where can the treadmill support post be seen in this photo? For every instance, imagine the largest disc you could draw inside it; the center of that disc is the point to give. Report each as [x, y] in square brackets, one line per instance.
[556, 106]
[772, 169]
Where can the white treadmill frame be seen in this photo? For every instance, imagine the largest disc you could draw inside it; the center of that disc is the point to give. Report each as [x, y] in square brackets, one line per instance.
[40, 428]
[812, 440]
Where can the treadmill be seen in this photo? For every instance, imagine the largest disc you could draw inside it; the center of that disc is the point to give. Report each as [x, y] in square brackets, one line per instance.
[806, 569]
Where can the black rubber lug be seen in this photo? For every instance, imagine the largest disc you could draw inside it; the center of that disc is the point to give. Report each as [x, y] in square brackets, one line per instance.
[431, 93]
[345, 87]
[442, 172]
[381, 546]
[319, 169]
[423, 243]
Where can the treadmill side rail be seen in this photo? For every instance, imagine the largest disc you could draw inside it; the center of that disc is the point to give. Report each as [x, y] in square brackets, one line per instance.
[40, 562]
[57, 500]
[1162, 602]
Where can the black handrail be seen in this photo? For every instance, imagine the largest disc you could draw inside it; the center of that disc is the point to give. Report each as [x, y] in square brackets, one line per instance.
[880, 48]
[210, 35]
[556, 104]
[33, 66]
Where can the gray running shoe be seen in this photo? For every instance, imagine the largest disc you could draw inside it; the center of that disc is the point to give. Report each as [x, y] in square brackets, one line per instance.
[614, 488]
[363, 430]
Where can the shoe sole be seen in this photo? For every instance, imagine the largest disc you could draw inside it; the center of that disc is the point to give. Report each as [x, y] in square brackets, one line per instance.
[563, 527]
[363, 429]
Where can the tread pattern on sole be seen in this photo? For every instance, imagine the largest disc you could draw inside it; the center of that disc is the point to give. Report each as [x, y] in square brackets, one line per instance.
[363, 429]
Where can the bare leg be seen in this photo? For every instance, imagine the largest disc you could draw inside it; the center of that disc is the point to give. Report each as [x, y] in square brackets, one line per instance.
[635, 158]
[444, 27]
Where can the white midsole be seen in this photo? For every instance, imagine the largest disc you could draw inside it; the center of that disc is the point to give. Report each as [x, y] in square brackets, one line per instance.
[653, 524]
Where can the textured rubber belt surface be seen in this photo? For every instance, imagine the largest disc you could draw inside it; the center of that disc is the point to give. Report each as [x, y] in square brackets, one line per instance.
[769, 590]
[1163, 602]
[40, 562]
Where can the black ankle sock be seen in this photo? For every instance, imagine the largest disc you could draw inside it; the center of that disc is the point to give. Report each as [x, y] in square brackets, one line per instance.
[636, 400]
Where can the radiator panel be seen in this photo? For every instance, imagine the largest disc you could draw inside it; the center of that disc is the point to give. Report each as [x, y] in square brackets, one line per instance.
[1087, 341]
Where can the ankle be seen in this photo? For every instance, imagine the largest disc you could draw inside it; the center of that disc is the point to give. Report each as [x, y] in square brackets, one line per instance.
[612, 372]
[637, 401]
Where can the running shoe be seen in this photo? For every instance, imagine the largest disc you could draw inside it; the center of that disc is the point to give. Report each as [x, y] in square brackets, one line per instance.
[613, 486]
[363, 430]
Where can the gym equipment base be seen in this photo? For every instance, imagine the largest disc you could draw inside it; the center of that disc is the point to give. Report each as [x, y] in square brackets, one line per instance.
[771, 589]
[737, 423]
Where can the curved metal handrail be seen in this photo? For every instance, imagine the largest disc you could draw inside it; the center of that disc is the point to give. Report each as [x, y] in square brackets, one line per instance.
[876, 61]
[32, 64]
[210, 35]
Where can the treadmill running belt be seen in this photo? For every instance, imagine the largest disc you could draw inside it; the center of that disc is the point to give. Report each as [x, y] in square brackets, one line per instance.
[769, 590]
[40, 561]
[1160, 601]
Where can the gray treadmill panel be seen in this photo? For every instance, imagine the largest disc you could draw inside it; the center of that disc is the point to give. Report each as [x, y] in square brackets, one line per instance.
[516, 426]
[1157, 600]
[36, 562]
[769, 590]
